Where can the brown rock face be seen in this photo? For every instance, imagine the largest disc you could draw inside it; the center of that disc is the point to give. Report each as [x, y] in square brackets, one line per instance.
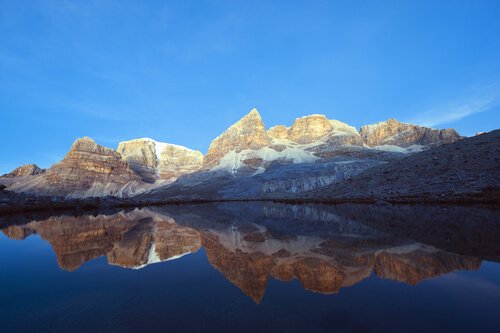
[25, 170]
[248, 133]
[393, 132]
[87, 170]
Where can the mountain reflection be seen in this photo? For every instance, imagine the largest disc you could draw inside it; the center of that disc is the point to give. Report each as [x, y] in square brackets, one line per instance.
[326, 248]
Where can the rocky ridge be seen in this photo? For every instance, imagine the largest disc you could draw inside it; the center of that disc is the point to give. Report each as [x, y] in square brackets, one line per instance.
[464, 170]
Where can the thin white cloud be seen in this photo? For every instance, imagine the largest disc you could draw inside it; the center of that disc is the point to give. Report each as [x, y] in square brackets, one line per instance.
[454, 112]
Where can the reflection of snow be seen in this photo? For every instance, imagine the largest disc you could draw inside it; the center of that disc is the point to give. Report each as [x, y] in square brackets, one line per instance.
[154, 258]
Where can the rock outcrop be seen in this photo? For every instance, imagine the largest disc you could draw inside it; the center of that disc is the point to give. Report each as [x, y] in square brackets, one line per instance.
[25, 170]
[395, 133]
[248, 133]
[154, 160]
[87, 170]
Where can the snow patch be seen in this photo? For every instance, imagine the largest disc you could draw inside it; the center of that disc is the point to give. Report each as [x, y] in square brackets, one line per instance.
[398, 149]
[159, 146]
[234, 160]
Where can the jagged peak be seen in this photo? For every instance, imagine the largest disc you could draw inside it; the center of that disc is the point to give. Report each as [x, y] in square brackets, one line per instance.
[253, 115]
[254, 112]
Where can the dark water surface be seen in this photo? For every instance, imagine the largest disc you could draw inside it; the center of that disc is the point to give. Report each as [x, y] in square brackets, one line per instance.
[253, 268]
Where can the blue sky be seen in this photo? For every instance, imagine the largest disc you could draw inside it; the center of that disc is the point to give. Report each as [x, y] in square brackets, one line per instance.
[183, 71]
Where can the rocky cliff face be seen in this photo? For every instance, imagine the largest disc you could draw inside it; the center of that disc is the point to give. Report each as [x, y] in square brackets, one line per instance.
[393, 132]
[248, 133]
[141, 156]
[154, 160]
[87, 170]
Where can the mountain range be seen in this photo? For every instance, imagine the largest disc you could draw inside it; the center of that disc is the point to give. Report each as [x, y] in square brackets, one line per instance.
[314, 158]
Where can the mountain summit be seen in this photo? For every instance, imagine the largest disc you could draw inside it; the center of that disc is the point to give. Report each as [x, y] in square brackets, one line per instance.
[247, 133]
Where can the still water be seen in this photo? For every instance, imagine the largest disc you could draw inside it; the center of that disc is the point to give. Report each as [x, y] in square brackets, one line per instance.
[254, 267]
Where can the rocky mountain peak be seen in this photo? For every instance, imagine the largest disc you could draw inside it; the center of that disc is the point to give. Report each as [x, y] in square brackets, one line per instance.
[87, 145]
[247, 133]
[25, 170]
[310, 128]
[253, 113]
[396, 133]
[321, 134]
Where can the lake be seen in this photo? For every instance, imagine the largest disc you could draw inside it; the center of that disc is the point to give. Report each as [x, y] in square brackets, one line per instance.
[253, 267]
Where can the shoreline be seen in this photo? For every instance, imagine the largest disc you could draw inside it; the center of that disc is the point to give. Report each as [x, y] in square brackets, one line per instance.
[55, 204]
